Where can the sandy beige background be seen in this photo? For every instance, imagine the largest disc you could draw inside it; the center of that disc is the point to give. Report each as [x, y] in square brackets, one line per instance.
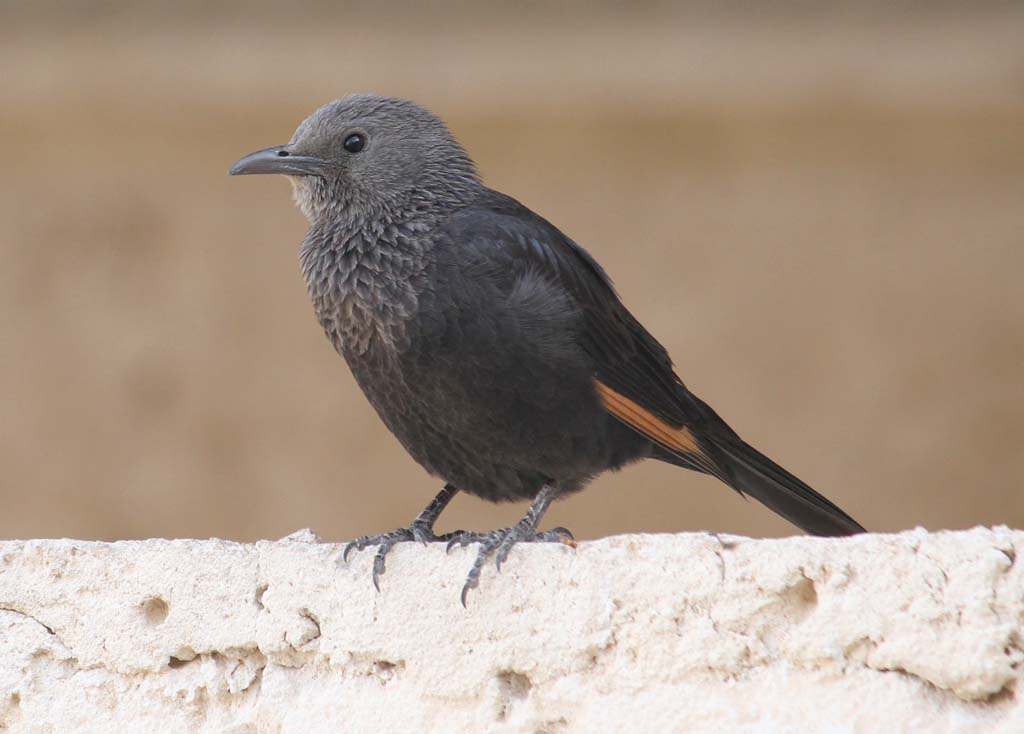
[820, 214]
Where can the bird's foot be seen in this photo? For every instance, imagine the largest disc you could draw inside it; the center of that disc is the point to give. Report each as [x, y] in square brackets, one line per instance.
[421, 530]
[499, 543]
[418, 531]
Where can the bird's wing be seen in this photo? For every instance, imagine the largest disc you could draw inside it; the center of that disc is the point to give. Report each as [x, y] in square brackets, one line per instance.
[633, 374]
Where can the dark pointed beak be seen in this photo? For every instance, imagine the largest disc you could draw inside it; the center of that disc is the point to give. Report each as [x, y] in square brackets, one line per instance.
[279, 159]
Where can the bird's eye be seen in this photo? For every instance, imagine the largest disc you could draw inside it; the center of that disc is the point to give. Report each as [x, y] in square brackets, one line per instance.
[354, 143]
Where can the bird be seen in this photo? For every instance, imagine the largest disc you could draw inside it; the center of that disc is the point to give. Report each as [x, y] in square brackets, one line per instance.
[494, 347]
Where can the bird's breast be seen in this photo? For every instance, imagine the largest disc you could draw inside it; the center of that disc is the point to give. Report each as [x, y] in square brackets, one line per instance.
[363, 292]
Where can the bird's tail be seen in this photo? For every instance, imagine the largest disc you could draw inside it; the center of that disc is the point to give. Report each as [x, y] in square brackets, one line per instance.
[750, 472]
[711, 446]
[756, 475]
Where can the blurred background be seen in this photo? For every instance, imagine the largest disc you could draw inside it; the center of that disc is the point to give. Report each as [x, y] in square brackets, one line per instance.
[818, 208]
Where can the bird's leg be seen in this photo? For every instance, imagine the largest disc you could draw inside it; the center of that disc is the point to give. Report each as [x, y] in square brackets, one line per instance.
[499, 542]
[421, 529]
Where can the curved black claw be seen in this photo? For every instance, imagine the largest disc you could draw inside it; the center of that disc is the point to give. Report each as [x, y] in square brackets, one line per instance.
[500, 542]
[386, 541]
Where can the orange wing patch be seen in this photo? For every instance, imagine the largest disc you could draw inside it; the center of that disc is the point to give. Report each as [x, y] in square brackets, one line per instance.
[680, 440]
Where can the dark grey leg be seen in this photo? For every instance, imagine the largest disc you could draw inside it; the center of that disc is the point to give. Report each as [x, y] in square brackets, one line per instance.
[421, 529]
[499, 542]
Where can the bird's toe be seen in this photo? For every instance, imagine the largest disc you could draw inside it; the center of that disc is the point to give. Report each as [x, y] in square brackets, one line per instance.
[384, 543]
[499, 543]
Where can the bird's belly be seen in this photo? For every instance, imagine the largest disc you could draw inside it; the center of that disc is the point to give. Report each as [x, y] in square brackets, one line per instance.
[499, 439]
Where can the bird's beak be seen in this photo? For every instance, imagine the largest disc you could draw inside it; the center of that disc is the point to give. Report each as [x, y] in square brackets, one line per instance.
[279, 159]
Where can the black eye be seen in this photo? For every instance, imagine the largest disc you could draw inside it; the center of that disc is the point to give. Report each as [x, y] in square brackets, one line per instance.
[354, 143]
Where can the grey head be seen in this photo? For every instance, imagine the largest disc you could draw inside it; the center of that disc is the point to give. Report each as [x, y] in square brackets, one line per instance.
[369, 157]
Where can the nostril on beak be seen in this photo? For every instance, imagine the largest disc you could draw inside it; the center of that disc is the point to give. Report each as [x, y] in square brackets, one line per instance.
[282, 154]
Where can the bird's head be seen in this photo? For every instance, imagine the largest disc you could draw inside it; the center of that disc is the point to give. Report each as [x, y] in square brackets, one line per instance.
[365, 154]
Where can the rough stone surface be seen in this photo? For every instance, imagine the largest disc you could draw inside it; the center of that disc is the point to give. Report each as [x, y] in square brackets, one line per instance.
[914, 632]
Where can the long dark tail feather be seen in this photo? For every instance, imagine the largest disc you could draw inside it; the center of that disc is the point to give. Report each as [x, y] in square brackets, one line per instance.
[750, 472]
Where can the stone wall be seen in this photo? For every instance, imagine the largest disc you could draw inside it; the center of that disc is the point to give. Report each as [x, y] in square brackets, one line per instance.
[915, 632]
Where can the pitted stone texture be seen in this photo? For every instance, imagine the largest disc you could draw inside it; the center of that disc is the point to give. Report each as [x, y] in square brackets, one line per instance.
[695, 633]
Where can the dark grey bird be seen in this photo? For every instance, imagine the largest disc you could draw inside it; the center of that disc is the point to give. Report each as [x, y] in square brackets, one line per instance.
[491, 345]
